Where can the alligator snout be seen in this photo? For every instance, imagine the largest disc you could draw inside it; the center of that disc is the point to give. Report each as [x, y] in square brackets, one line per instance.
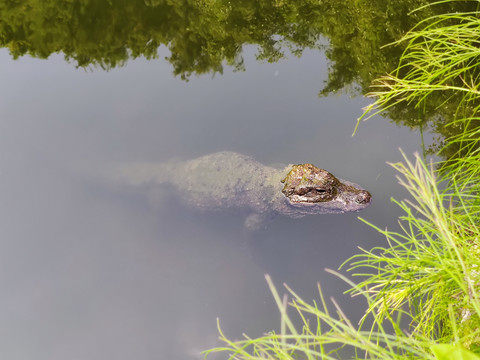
[363, 197]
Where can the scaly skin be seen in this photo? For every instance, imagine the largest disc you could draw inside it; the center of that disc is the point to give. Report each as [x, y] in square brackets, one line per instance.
[227, 180]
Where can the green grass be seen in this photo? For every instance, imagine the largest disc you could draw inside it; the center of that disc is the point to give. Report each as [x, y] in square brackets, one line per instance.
[429, 273]
[323, 336]
[423, 287]
[442, 55]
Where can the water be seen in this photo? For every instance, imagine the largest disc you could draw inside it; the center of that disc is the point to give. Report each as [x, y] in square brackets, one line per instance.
[87, 272]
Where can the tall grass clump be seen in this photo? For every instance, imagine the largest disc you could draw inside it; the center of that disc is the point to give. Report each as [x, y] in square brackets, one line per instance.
[442, 55]
[422, 288]
[429, 273]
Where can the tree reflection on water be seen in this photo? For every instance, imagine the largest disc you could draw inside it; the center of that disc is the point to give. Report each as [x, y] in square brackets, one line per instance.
[203, 36]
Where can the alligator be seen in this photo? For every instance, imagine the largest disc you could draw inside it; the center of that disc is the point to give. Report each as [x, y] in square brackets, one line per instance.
[228, 180]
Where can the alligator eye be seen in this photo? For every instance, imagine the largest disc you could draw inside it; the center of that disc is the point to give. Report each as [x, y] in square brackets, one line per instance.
[315, 192]
[322, 194]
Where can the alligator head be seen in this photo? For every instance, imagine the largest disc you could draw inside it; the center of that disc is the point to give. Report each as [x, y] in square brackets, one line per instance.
[308, 185]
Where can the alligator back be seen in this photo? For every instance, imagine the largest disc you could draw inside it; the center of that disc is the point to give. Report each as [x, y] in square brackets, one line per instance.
[216, 181]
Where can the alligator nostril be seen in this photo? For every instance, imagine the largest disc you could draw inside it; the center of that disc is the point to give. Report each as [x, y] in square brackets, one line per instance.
[363, 197]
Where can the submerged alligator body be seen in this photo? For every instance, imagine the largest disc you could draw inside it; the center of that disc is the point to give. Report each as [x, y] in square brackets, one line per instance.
[228, 180]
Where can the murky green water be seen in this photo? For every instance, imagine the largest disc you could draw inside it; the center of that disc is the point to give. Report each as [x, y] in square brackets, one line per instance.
[91, 273]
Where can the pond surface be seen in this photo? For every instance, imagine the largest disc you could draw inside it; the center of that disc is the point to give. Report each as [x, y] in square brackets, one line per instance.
[88, 272]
